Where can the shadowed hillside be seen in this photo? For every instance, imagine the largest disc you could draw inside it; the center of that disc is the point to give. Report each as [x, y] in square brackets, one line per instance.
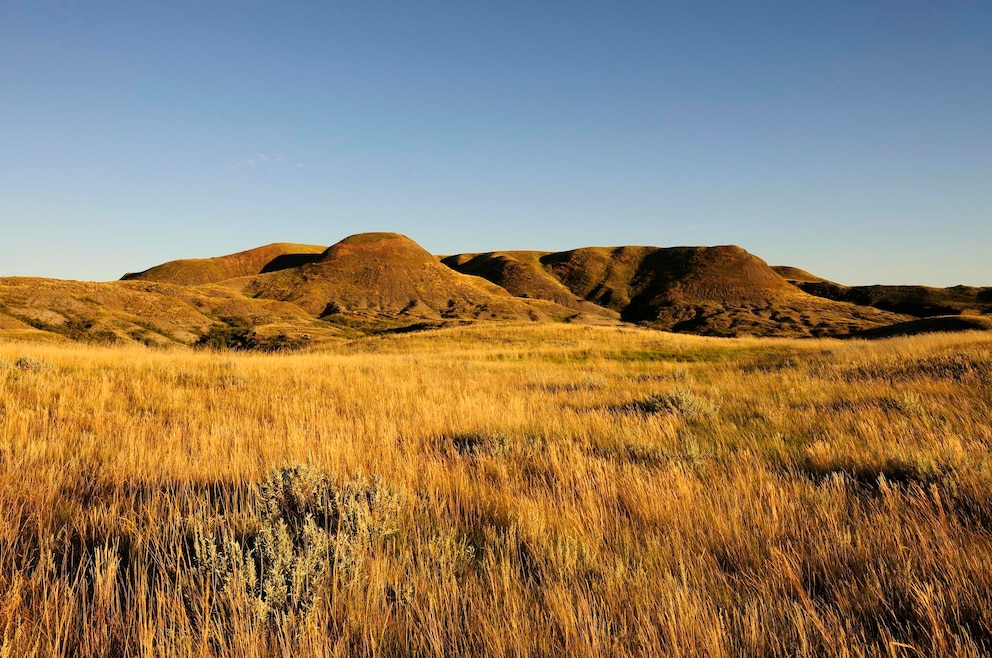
[708, 290]
[937, 324]
[391, 274]
[523, 274]
[270, 258]
[919, 301]
[642, 281]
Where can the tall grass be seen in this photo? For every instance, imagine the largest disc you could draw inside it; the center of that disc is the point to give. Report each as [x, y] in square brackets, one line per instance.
[499, 490]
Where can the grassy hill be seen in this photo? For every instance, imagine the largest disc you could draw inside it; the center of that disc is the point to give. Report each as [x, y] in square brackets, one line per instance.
[522, 274]
[270, 258]
[794, 274]
[391, 274]
[936, 324]
[918, 301]
[386, 282]
[707, 290]
[139, 311]
[369, 282]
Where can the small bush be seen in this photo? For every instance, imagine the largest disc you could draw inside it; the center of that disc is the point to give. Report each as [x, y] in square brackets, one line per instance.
[477, 444]
[239, 334]
[908, 403]
[234, 334]
[77, 329]
[317, 532]
[28, 364]
[680, 401]
[281, 343]
[312, 538]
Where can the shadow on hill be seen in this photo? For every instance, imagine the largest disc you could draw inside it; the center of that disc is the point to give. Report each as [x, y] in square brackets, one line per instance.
[920, 301]
[656, 275]
[947, 323]
[288, 261]
[411, 328]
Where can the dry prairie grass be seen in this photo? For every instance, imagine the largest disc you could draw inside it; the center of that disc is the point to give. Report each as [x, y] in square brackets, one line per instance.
[499, 490]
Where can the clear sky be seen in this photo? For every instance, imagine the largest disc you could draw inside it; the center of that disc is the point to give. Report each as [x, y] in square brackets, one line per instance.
[852, 139]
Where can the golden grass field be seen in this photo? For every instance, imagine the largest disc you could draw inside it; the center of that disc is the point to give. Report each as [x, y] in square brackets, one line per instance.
[499, 490]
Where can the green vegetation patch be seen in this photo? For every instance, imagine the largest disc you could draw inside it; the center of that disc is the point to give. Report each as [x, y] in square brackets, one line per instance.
[79, 329]
[237, 333]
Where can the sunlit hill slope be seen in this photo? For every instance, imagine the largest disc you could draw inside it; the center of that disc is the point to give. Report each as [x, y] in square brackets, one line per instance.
[385, 282]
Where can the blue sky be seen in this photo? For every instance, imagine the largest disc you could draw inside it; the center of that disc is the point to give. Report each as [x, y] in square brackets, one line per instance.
[852, 139]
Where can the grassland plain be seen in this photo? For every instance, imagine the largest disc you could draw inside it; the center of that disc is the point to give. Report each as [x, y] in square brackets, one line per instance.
[504, 490]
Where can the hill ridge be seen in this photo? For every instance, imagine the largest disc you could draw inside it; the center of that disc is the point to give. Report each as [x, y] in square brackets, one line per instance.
[385, 281]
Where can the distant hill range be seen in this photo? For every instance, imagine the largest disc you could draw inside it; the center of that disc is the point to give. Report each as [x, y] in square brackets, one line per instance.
[918, 301]
[290, 294]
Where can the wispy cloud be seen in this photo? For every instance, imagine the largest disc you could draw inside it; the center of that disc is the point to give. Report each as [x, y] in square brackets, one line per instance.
[270, 161]
[256, 160]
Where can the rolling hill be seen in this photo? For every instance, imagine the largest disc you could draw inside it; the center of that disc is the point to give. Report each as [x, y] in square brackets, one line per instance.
[377, 282]
[935, 324]
[388, 273]
[707, 290]
[918, 301]
[194, 271]
[795, 275]
[522, 274]
[141, 311]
